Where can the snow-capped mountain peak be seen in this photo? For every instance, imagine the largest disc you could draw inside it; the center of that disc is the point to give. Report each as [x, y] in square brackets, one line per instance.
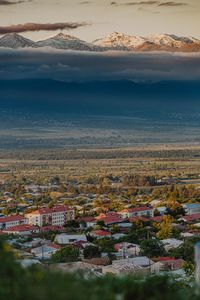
[115, 41]
[171, 40]
[14, 40]
[67, 42]
[63, 36]
[120, 41]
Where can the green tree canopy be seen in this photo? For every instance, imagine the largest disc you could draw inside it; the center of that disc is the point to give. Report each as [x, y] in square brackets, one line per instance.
[65, 254]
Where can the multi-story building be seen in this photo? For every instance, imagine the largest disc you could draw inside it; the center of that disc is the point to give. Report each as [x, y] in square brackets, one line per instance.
[57, 215]
[141, 211]
[12, 221]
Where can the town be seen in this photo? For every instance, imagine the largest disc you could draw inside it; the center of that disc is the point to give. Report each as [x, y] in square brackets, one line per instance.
[128, 224]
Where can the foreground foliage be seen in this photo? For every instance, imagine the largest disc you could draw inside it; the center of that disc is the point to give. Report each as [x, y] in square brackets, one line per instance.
[40, 284]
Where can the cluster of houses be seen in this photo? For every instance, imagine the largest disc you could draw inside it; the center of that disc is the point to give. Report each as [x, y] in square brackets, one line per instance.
[128, 259]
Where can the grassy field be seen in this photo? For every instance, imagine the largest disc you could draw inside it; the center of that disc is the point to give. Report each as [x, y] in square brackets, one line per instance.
[162, 160]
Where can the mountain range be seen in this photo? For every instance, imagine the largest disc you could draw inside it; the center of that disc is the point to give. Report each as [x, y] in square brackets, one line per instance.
[126, 98]
[46, 113]
[115, 41]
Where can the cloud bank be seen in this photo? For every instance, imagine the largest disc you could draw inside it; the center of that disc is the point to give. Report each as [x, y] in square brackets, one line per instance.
[149, 3]
[7, 2]
[79, 66]
[38, 27]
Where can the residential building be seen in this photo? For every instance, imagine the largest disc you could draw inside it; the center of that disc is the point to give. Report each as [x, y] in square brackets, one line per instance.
[191, 218]
[23, 230]
[171, 243]
[64, 239]
[99, 234]
[57, 216]
[45, 251]
[140, 211]
[12, 221]
[140, 265]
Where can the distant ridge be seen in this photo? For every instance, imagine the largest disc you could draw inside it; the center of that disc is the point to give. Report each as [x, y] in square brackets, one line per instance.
[115, 41]
[101, 97]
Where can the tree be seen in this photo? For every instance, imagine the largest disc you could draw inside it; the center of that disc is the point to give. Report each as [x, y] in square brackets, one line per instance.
[152, 248]
[165, 228]
[189, 268]
[100, 223]
[72, 223]
[66, 254]
[91, 251]
[106, 244]
[185, 251]
[41, 283]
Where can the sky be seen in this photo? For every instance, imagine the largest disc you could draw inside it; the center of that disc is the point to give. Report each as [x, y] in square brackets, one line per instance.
[94, 19]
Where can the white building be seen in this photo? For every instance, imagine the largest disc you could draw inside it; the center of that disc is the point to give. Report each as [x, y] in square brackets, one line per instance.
[171, 243]
[45, 251]
[12, 221]
[140, 211]
[64, 239]
[57, 215]
[140, 265]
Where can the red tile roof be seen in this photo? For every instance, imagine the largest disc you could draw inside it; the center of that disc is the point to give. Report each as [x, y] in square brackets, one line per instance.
[111, 220]
[55, 209]
[165, 258]
[21, 228]
[137, 209]
[109, 214]
[170, 262]
[101, 233]
[157, 219]
[191, 217]
[11, 219]
[54, 246]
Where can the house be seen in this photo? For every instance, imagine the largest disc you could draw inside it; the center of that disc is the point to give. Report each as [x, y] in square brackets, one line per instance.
[140, 211]
[45, 251]
[23, 230]
[191, 218]
[187, 235]
[192, 208]
[12, 221]
[127, 249]
[118, 236]
[99, 234]
[57, 215]
[167, 264]
[110, 218]
[171, 243]
[87, 222]
[140, 265]
[162, 210]
[64, 239]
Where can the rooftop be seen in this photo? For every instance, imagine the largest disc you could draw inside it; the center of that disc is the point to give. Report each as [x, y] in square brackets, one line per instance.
[55, 209]
[11, 219]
